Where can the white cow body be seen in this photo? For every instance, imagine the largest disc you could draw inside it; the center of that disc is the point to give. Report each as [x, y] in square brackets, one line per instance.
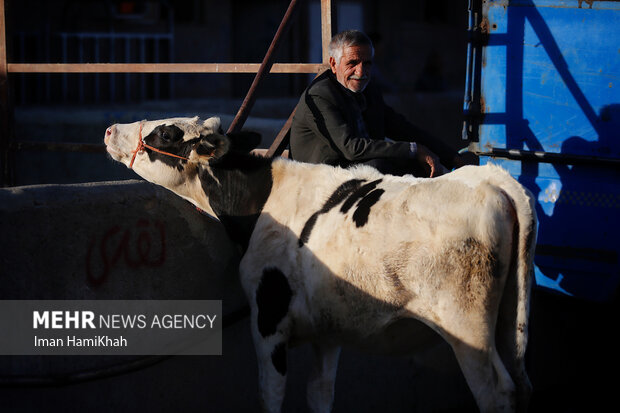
[337, 256]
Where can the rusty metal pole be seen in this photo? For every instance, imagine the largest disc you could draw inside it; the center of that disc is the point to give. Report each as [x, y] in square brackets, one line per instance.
[282, 139]
[264, 68]
[5, 110]
[326, 28]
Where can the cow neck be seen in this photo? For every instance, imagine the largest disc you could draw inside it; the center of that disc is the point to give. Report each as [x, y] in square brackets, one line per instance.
[238, 187]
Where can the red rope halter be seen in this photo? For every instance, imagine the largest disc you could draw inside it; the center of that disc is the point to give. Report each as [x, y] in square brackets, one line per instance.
[142, 146]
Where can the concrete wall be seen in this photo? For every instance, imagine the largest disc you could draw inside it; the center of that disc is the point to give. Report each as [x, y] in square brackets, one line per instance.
[114, 240]
[62, 242]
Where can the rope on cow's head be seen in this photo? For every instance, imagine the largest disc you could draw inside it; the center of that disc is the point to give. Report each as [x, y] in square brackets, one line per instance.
[142, 145]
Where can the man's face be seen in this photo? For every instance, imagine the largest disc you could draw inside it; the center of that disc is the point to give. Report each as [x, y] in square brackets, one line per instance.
[353, 69]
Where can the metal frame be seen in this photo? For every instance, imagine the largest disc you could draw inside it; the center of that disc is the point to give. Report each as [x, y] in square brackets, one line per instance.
[7, 146]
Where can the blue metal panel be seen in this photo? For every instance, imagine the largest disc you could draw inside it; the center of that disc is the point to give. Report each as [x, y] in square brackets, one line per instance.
[548, 82]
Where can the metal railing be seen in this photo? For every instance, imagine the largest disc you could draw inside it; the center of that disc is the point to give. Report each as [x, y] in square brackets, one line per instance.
[7, 146]
[92, 47]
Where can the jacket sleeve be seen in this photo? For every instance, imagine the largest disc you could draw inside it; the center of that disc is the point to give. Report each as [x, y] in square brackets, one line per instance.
[331, 122]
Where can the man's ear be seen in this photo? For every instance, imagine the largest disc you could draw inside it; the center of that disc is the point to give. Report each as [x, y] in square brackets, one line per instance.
[244, 141]
[332, 64]
[210, 147]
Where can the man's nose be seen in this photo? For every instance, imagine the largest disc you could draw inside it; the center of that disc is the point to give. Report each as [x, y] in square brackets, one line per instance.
[365, 69]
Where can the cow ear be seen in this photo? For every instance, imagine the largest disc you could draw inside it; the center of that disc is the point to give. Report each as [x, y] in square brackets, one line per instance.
[212, 124]
[244, 141]
[210, 147]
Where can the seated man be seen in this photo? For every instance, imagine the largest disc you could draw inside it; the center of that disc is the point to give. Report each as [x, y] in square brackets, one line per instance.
[342, 120]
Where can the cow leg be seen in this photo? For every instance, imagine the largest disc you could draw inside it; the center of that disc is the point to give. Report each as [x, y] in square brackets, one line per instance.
[487, 377]
[270, 331]
[514, 361]
[272, 366]
[320, 391]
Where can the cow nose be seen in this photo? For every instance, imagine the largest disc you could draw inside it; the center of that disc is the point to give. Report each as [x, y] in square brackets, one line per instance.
[108, 134]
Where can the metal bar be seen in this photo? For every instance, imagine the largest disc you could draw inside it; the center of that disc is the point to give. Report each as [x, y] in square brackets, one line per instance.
[142, 59]
[97, 76]
[160, 67]
[65, 88]
[81, 59]
[22, 55]
[282, 139]
[112, 76]
[549, 157]
[265, 67]
[5, 118]
[156, 76]
[126, 76]
[326, 28]
[47, 77]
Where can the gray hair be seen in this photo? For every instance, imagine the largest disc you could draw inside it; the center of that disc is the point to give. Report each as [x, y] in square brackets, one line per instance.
[348, 38]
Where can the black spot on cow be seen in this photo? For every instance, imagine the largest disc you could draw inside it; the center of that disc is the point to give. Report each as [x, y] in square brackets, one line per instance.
[305, 233]
[165, 134]
[359, 193]
[360, 216]
[339, 195]
[278, 358]
[169, 138]
[238, 186]
[273, 297]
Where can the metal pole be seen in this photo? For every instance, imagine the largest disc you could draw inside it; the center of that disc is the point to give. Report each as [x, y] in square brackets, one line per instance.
[265, 67]
[5, 110]
[159, 67]
[326, 28]
[282, 139]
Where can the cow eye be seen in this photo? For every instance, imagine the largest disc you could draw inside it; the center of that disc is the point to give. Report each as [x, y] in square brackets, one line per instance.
[168, 134]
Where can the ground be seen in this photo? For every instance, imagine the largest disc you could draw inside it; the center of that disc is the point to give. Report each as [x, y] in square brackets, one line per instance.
[572, 351]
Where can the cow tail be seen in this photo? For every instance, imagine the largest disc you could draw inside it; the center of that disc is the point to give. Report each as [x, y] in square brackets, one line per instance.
[527, 227]
[516, 298]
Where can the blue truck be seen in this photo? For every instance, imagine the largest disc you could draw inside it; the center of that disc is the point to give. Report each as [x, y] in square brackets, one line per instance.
[542, 100]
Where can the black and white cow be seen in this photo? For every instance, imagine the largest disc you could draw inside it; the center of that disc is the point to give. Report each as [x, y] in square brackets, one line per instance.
[342, 256]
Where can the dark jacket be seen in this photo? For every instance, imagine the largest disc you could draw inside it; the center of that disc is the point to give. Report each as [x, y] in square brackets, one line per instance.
[335, 126]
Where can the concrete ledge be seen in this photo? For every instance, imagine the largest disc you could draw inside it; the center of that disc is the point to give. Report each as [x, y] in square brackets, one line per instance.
[112, 240]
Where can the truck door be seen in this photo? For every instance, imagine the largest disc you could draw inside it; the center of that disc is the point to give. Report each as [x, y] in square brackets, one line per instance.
[542, 100]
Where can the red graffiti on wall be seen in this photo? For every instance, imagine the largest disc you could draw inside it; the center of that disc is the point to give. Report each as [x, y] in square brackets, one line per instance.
[141, 246]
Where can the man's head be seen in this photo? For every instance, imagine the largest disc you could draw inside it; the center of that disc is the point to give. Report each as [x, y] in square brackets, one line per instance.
[350, 59]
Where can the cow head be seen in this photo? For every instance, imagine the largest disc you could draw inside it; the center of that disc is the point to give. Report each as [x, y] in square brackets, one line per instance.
[175, 152]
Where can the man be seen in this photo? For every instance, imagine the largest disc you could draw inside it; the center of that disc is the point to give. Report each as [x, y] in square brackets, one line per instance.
[341, 119]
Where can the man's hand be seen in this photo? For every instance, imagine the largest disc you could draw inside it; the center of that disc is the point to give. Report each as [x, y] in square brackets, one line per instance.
[430, 162]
